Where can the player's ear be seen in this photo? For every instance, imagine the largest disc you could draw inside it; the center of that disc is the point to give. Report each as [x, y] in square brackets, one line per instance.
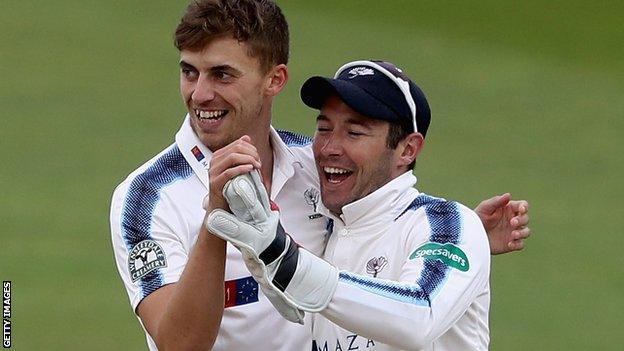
[277, 77]
[409, 148]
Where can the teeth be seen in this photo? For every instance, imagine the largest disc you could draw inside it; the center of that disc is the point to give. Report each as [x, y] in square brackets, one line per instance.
[333, 170]
[209, 114]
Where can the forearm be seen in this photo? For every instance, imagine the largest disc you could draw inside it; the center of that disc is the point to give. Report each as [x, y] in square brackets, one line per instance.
[402, 315]
[193, 314]
[405, 320]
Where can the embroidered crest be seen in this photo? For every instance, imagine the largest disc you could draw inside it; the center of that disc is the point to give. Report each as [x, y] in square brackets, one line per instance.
[144, 258]
[375, 265]
[312, 198]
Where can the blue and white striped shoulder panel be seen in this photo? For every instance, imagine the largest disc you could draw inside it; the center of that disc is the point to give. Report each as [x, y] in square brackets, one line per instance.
[445, 223]
[141, 200]
[294, 139]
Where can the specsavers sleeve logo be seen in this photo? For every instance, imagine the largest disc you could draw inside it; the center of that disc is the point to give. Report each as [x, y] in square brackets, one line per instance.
[448, 253]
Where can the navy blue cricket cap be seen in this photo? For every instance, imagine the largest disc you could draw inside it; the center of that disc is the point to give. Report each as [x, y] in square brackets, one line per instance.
[375, 89]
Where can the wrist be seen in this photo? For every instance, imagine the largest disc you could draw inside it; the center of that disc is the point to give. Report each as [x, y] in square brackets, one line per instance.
[209, 204]
[207, 238]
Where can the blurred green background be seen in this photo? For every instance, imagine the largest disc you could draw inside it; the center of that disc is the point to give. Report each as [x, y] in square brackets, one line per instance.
[527, 97]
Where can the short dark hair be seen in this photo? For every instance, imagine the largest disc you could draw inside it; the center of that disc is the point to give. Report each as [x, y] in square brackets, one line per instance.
[397, 132]
[259, 23]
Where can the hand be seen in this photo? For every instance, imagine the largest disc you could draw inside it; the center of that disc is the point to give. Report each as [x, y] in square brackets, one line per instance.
[236, 158]
[505, 222]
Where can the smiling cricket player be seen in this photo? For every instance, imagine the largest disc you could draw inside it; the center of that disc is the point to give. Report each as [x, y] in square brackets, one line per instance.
[403, 270]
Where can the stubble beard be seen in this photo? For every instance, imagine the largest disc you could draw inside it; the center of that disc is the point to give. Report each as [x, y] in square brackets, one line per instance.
[235, 126]
[377, 178]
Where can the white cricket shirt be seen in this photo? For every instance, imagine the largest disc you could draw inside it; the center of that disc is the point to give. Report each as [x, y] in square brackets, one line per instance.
[156, 215]
[414, 275]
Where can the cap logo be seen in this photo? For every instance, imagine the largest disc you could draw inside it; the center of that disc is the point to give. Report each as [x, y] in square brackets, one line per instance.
[360, 71]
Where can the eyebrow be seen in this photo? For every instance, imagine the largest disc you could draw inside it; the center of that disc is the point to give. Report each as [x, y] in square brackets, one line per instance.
[353, 121]
[184, 64]
[359, 122]
[226, 68]
[322, 118]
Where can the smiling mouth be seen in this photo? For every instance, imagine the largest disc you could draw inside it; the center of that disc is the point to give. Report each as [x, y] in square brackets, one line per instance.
[210, 115]
[336, 175]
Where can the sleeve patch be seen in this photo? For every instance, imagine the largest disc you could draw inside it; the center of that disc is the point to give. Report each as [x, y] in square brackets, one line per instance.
[448, 254]
[144, 258]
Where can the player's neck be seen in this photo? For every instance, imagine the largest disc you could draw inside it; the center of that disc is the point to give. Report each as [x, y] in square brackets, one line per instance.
[265, 150]
[261, 139]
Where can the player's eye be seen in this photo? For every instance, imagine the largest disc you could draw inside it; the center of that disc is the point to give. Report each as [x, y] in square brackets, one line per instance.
[321, 129]
[188, 73]
[223, 76]
[355, 133]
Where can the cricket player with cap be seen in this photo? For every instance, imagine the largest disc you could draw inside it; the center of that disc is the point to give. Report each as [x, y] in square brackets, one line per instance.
[403, 270]
[233, 63]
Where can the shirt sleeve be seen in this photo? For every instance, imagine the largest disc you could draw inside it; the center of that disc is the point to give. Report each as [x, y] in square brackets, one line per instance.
[440, 278]
[148, 252]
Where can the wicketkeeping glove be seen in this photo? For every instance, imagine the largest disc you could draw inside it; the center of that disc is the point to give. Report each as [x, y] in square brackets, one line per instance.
[293, 279]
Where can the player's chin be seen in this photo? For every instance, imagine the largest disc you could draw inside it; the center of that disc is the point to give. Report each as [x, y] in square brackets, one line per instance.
[332, 203]
[336, 196]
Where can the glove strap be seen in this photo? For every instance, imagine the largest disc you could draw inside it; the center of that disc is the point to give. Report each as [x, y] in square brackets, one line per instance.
[287, 267]
[284, 247]
[276, 247]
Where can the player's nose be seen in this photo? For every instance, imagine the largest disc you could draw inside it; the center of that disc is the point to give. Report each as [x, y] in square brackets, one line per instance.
[204, 91]
[331, 146]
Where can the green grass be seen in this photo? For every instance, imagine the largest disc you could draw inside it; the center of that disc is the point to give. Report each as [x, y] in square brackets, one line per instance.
[525, 97]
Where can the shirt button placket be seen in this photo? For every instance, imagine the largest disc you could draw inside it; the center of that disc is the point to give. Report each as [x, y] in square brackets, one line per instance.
[343, 250]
